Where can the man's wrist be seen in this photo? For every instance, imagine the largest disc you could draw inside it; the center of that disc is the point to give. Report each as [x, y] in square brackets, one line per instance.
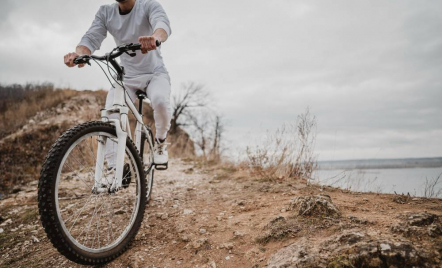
[83, 50]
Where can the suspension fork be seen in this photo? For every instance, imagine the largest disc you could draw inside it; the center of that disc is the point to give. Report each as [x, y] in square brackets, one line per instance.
[121, 152]
[99, 165]
[122, 129]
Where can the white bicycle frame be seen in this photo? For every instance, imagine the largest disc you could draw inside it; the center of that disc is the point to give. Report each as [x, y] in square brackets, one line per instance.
[121, 104]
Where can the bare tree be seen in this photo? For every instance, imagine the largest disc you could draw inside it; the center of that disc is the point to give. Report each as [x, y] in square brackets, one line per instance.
[217, 137]
[191, 112]
[191, 96]
[201, 136]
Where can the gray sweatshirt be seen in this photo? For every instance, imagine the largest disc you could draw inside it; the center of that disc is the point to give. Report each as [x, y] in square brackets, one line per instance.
[145, 17]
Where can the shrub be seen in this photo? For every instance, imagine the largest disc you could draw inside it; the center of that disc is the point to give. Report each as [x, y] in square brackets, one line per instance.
[288, 152]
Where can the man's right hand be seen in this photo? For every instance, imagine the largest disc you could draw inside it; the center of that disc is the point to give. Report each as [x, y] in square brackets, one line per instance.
[69, 60]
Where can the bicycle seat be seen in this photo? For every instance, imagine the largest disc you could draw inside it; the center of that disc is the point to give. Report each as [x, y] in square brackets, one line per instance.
[141, 94]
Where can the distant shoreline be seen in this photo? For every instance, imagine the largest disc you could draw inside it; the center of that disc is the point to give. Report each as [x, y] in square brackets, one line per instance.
[428, 162]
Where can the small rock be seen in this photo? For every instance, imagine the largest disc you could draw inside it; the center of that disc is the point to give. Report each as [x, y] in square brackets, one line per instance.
[350, 237]
[202, 231]
[162, 216]
[435, 230]
[199, 243]
[211, 264]
[1, 230]
[227, 245]
[227, 258]
[385, 247]
[238, 234]
[185, 238]
[187, 211]
[8, 221]
[314, 205]
[421, 219]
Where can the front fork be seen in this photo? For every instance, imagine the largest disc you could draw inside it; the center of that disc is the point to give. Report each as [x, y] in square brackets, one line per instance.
[123, 130]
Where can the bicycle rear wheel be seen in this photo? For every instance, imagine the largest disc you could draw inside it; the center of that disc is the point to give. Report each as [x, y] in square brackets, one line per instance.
[86, 226]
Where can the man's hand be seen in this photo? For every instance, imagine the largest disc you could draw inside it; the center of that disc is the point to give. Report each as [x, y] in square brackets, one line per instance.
[69, 60]
[70, 57]
[148, 43]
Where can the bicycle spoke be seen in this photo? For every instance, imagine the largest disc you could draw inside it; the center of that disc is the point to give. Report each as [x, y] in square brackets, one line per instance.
[98, 224]
[73, 170]
[100, 219]
[101, 167]
[81, 210]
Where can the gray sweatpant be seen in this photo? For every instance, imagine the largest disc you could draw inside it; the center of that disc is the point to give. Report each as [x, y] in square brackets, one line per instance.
[157, 87]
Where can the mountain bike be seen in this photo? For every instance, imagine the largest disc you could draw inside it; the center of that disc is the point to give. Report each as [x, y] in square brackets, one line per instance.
[90, 210]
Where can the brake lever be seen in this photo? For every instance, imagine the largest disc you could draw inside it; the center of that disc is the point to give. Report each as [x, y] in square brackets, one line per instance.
[133, 54]
[84, 59]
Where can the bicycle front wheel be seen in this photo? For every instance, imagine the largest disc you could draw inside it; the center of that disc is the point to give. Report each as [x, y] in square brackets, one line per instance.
[85, 225]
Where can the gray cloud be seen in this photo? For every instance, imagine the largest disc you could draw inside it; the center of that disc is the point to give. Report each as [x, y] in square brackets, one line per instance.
[369, 70]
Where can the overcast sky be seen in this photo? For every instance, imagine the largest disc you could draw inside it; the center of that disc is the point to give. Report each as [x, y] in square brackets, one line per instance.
[370, 71]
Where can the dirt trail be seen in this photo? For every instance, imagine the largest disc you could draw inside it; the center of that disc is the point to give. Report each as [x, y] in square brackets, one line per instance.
[221, 217]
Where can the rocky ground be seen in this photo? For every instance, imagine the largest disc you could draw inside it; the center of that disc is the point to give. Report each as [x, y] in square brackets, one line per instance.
[220, 216]
[22, 153]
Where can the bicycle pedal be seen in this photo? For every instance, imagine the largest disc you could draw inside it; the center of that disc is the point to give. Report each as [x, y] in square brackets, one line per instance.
[161, 166]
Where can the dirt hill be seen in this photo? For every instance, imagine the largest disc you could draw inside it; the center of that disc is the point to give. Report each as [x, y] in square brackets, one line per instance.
[219, 215]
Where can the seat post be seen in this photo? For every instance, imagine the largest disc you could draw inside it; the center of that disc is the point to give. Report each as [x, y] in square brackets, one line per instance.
[140, 106]
[141, 96]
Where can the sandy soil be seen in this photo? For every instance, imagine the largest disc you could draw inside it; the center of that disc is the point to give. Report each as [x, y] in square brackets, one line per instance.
[210, 217]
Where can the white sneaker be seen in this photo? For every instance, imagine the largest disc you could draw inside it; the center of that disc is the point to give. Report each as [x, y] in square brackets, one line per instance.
[160, 155]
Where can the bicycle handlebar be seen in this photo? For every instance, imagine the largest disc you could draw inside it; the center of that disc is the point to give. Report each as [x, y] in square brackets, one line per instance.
[118, 51]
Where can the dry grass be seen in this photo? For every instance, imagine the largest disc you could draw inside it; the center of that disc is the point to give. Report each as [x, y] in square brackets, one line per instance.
[22, 157]
[288, 152]
[19, 103]
[431, 187]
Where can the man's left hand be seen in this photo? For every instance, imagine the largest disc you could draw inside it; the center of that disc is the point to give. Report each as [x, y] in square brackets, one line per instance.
[148, 43]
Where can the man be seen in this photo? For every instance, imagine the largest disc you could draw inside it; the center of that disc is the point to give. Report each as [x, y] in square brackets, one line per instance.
[135, 21]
